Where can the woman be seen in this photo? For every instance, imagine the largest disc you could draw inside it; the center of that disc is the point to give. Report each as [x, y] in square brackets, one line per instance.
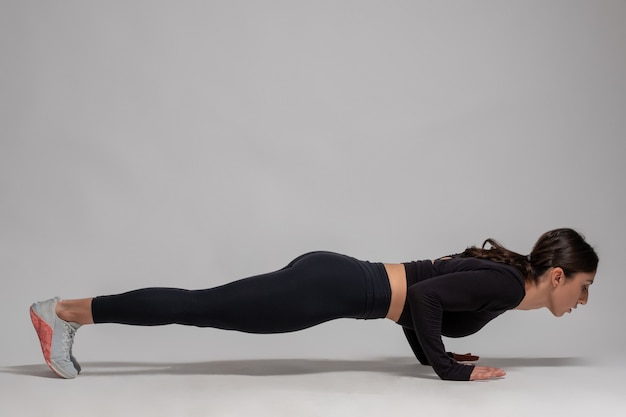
[453, 296]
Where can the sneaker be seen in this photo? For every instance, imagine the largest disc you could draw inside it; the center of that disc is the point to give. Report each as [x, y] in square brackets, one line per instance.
[56, 337]
[75, 362]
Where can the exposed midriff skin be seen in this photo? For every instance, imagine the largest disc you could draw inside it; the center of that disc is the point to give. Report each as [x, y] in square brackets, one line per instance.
[397, 281]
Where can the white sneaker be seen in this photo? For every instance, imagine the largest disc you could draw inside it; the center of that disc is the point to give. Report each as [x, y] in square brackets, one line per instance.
[56, 337]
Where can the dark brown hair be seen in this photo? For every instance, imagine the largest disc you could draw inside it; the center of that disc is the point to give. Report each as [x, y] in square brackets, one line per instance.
[563, 248]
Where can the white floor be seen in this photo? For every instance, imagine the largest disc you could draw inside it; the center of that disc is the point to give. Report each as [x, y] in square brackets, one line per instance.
[310, 387]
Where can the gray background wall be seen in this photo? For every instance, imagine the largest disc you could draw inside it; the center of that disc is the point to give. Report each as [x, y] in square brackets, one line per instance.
[191, 143]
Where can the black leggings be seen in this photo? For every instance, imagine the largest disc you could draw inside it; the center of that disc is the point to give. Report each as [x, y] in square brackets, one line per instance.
[314, 288]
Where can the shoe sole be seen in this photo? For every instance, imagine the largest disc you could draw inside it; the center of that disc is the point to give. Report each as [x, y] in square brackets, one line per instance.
[44, 333]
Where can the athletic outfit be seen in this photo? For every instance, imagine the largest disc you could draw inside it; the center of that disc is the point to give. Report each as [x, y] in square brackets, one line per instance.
[454, 297]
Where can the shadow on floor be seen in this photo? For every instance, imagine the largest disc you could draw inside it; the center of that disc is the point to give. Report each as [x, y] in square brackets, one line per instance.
[509, 363]
[399, 366]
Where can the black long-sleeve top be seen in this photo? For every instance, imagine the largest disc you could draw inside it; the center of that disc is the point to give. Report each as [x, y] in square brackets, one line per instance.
[454, 297]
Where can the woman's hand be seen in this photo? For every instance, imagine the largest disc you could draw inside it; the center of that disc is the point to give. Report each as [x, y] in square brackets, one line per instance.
[485, 372]
[479, 372]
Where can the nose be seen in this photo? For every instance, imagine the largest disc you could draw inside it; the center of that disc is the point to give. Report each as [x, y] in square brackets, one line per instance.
[583, 298]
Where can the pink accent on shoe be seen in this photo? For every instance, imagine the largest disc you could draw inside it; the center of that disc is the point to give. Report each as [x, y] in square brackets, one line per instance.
[44, 332]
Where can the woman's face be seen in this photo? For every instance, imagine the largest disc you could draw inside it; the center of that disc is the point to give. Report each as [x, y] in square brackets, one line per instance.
[569, 292]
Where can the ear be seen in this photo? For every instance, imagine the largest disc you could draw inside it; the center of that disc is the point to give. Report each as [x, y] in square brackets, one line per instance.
[557, 276]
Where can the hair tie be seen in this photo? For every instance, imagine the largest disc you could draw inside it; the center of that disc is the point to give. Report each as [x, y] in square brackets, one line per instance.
[528, 258]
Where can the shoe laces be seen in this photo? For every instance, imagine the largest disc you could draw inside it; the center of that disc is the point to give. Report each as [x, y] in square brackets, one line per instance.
[68, 337]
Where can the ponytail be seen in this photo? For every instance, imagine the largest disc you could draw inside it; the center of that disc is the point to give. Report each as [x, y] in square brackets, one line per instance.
[500, 254]
[563, 248]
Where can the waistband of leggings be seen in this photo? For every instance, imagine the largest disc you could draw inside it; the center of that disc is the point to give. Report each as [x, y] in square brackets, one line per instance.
[378, 290]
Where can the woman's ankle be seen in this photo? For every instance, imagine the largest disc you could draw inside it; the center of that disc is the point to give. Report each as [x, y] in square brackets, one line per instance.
[77, 311]
[62, 311]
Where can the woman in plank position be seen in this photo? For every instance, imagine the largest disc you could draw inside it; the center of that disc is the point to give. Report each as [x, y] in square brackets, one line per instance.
[452, 296]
